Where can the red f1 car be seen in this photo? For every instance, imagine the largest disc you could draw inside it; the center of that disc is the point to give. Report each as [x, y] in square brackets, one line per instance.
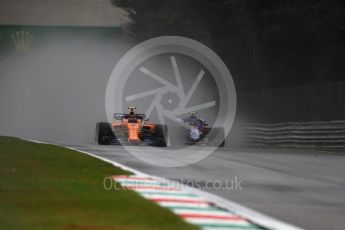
[199, 132]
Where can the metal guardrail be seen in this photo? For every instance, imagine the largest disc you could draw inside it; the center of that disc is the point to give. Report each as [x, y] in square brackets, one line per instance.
[295, 134]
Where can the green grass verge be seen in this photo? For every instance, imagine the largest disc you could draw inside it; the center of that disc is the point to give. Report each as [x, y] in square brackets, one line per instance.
[49, 187]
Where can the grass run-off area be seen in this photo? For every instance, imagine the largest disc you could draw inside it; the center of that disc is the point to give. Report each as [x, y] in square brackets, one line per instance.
[49, 187]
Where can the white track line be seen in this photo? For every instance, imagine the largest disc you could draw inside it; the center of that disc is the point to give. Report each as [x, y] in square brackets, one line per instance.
[254, 216]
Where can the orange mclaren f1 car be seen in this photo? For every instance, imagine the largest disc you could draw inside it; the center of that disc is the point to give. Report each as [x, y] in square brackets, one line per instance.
[131, 129]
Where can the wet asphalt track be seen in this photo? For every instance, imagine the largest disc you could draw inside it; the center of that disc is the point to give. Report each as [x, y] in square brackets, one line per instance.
[304, 188]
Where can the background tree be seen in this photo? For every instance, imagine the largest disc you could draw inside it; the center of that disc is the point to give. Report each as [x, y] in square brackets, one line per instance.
[266, 44]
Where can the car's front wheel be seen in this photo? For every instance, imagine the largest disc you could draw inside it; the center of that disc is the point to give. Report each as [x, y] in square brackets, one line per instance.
[103, 133]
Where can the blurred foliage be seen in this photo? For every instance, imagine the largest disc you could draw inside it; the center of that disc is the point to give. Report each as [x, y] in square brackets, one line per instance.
[266, 44]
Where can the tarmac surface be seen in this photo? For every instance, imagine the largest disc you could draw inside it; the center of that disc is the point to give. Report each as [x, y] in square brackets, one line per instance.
[305, 188]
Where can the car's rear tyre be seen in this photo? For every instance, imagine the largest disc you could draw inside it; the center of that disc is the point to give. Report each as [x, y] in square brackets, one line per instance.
[161, 135]
[216, 137]
[103, 133]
